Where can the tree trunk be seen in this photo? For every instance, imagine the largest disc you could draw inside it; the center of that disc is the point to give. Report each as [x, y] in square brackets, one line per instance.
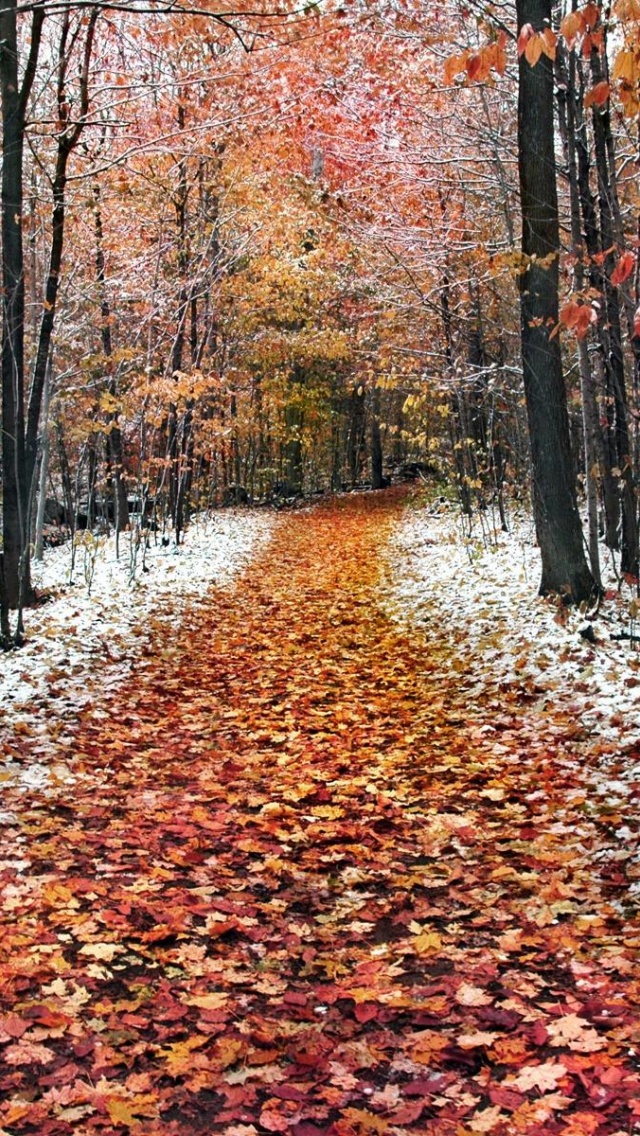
[294, 424]
[114, 435]
[377, 475]
[590, 231]
[13, 486]
[455, 431]
[177, 353]
[614, 360]
[43, 472]
[568, 106]
[564, 567]
[357, 427]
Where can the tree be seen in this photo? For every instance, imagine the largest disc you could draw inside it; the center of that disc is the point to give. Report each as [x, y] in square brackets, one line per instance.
[558, 527]
[20, 423]
[15, 97]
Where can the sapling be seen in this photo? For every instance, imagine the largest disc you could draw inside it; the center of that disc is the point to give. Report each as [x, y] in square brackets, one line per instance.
[90, 545]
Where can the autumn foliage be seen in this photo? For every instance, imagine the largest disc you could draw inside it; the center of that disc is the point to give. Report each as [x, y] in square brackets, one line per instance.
[307, 879]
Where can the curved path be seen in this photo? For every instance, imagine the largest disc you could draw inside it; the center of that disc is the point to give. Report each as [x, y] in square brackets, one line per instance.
[304, 885]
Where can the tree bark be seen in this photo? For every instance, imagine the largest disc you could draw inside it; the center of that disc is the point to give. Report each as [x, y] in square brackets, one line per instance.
[114, 435]
[564, 567]
[593, 447]
[614, 359]
[377, 470]
[15, 485]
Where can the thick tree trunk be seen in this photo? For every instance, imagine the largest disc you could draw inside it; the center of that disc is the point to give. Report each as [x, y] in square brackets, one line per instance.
[357, 428]
[564, 567]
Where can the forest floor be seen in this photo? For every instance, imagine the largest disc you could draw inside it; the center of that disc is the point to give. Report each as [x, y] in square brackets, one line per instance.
[317, 868]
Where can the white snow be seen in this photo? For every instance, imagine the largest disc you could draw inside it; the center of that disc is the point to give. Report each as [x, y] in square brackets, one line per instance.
[481, 585]
[87, 638]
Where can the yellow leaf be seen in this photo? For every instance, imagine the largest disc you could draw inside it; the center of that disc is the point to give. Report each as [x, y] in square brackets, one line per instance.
[366, 1121]
[427, 942]
[576, 1033]
[103, 951]
[211, 1001]
[120, 1113]
[486, 1120]
[627, 9]
[625, 67]
[128, 1110]
[493, 794]
[544, 1077]
[179, 1056]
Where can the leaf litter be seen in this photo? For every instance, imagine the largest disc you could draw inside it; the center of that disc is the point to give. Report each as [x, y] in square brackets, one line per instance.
[306, 877]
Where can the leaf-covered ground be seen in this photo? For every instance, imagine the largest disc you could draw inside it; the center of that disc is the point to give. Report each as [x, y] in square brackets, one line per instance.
[305, 883]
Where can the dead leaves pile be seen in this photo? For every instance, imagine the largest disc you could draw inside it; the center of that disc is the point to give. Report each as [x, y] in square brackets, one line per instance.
[302, 884]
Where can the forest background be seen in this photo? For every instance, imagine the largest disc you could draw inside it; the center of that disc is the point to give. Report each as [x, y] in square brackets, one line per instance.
[254, 254]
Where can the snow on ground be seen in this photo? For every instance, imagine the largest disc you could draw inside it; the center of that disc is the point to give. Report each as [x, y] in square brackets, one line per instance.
[481, 585]
[86, 639]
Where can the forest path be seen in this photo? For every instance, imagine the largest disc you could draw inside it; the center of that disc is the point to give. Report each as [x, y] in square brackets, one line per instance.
[304, 885]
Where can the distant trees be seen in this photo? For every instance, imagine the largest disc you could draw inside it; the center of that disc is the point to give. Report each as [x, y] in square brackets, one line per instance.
[298, 266]
[48, 83]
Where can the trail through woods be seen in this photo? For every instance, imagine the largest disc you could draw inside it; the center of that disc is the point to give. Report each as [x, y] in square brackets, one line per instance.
[305, 883]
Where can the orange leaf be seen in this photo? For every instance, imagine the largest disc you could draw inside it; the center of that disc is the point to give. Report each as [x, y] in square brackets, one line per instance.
[623, 268]
[453, 66]
[625, 67]
[549, 41]
[572, 26]
[627, 9]
[587, 46]
[534, 50]
[578, 317]
[598, 95]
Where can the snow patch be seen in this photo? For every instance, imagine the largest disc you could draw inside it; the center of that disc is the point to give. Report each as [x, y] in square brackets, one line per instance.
[480, 586]
[86, 639]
